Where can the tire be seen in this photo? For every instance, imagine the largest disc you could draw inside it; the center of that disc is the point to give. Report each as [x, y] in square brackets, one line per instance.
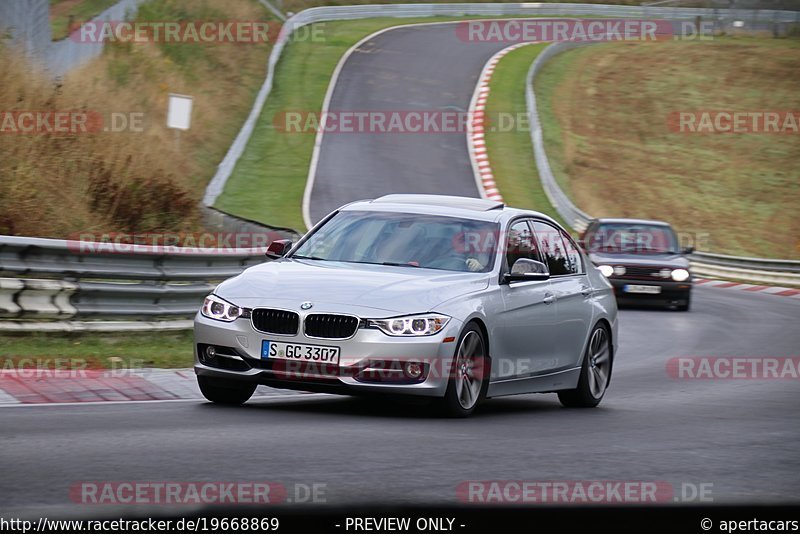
[595, 372]
[466, 388]
[685, 307]
[221, 391]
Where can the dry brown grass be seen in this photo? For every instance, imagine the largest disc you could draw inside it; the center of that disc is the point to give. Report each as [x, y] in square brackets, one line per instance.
[55, 185]
[605, 109]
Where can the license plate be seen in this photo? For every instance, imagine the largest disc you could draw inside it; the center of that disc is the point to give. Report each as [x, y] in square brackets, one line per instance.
[276, 350]
[650, 290]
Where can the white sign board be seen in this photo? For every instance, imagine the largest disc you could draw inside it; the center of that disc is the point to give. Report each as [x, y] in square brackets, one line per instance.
[179, 112]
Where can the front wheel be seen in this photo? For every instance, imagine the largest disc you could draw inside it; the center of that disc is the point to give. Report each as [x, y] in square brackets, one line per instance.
[595, 373]
[469, 378]
[222, 391]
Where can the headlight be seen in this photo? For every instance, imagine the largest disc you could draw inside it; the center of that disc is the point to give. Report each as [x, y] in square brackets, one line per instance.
[607, 270]
[679, 275]
[222, 310]
[619, 270]
[414, 325]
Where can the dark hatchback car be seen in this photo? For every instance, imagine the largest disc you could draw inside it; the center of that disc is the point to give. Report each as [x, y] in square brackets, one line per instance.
[642, 260]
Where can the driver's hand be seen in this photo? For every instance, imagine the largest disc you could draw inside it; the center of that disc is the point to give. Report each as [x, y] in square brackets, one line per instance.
[474, 265]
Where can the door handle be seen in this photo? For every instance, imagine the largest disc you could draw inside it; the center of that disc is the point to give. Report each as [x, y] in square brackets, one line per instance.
[586, 291]
[549, 298]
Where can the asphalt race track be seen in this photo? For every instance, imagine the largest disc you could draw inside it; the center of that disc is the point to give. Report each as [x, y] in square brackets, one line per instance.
[397, 71]
[739, 435]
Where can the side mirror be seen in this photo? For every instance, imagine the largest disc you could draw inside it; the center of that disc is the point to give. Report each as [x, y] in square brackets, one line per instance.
[278, 248]
[527, 270]
[687, 250]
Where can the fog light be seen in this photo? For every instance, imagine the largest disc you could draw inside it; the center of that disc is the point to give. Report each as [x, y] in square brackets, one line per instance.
[413, 369]
[211, 352]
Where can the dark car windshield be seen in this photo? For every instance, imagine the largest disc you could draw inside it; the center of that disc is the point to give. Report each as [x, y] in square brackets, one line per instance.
[405, 239]
[631, 239]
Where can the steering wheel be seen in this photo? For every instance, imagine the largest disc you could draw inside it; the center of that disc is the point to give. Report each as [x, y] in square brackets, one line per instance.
[452, 261]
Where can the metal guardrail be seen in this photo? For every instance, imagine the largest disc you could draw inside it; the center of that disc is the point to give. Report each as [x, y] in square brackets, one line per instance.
[755, 270]
[572, 215]
[75, 285]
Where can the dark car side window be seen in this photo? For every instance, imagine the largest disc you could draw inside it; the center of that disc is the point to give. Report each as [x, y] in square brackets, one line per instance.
[552, 247]
[574, 255]
[520, 243]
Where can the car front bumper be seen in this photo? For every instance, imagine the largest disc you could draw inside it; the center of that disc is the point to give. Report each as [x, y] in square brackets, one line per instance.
[670, 292]
[368, 361]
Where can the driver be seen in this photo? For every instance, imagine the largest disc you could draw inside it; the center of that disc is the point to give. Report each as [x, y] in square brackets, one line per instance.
[476, 259]
[474, 265]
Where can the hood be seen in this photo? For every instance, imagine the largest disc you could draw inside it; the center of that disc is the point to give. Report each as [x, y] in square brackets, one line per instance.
[356, 288]
[673, 261]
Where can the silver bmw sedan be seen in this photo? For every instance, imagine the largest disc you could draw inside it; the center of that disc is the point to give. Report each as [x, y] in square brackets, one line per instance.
[457, 299]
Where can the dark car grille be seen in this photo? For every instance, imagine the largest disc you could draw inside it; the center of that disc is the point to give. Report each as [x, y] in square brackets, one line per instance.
[331, 326]
[646, 272]
[275, 321]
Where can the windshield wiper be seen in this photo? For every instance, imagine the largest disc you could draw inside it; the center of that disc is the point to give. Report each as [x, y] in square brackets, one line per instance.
[296, 257]
[395, 264]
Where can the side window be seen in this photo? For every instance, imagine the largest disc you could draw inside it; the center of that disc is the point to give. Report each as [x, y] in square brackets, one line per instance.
[520, 243]
[574, 255]
[552, 248]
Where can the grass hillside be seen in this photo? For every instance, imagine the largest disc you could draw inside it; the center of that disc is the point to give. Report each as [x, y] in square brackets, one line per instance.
[130, 181]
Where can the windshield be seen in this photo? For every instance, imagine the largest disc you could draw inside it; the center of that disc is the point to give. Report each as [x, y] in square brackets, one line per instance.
[405, 239]
[632, 239]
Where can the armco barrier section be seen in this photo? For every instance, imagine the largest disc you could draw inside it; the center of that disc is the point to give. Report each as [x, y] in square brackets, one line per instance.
[52, 284]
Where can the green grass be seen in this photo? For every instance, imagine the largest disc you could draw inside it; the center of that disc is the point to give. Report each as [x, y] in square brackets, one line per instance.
[510, 151]
[97, 350]
[79, 12]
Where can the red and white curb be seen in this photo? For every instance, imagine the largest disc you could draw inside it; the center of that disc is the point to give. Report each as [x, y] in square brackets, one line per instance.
[48, 386]
[751, 288]
[476, 127]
